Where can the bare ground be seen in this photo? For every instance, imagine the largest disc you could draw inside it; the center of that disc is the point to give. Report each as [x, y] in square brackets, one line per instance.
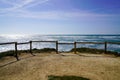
[39, 67]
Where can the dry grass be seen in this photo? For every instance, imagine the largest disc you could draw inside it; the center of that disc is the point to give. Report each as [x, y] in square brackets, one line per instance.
[39, 67]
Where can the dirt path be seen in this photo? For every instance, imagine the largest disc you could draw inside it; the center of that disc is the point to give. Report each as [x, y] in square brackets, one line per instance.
[39, 67]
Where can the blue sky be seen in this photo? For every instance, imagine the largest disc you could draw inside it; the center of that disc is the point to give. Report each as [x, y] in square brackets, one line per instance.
[59, 16]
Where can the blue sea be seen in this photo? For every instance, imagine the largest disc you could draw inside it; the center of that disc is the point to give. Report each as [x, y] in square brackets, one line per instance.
[60, 38]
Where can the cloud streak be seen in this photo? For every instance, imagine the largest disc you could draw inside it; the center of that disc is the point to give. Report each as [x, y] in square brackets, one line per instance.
[21, 4]
[20, 9]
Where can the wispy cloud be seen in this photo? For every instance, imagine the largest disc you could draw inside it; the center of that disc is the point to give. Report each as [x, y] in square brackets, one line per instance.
[62, 15]
[20, 9]
[20, 4]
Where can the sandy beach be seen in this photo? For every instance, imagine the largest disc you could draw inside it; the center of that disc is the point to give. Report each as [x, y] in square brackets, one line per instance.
[39, 67]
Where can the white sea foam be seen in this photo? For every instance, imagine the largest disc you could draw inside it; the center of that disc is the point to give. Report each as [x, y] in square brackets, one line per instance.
[60, 38]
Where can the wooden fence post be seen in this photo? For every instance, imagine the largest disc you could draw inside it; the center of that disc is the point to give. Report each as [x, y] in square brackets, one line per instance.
[75, 47]
[16, 51]
[105, 47]
[57, 47]
[31, 48]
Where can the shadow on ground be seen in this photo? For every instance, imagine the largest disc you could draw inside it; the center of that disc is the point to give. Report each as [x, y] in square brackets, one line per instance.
[66, 78]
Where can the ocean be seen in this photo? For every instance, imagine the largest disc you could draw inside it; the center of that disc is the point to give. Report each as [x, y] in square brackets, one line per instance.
[60, 38]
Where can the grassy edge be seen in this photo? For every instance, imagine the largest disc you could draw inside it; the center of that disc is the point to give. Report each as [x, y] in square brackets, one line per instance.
[12, 52]
[81, 50]
[95, 51]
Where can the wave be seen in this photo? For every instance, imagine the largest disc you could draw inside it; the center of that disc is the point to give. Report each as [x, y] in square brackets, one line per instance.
[60, 38]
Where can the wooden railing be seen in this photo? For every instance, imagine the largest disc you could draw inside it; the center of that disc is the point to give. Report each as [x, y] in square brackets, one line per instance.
[15, 43]
[57, 43]
[105, 44]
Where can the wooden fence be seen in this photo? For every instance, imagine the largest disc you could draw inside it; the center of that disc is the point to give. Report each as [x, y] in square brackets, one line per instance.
[15, 43]
[57, 43]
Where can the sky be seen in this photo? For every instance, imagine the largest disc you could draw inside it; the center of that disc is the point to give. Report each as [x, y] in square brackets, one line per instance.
[59, 16]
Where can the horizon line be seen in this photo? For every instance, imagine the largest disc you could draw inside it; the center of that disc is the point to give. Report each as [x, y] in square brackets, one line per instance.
[64, 34]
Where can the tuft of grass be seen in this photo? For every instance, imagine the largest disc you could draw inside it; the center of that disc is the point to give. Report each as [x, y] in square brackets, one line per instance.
[35, 50]
[7, 53]
[94, 51]
[88, 50]
[66, 78]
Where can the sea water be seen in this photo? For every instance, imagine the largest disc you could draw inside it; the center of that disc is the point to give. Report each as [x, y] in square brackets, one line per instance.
[60, 38]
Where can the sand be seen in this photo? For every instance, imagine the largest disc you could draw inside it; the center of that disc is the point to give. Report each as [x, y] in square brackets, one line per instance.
[39, 67]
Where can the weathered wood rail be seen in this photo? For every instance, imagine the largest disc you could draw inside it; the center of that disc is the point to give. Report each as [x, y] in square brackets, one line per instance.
[57, 43]
[105, 44]
[15, 43]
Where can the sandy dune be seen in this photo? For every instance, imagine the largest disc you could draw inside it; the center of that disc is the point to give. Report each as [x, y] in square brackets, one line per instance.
[39, 67]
